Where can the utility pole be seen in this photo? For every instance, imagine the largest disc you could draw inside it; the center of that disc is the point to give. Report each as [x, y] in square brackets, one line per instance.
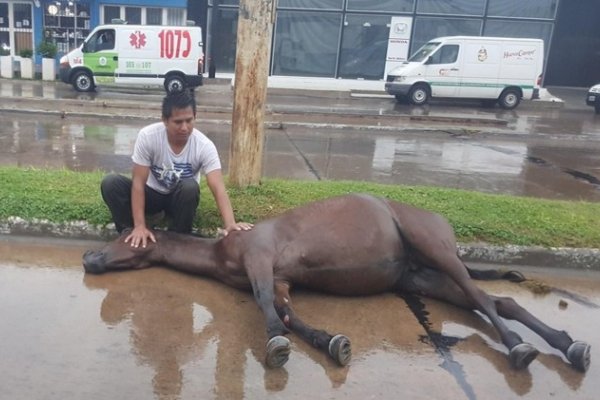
[255, 27]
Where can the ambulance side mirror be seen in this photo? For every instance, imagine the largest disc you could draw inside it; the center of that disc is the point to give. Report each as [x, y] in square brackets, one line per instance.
[84, 47]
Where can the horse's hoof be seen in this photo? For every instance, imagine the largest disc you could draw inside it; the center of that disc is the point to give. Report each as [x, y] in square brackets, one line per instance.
[579, 355]
[340, 349]
[514, 276]
[278, 351]
[522, 355]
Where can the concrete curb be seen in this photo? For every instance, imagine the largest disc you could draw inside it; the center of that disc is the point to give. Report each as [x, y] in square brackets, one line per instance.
[560, 257]
[102, 109]
[570, 258]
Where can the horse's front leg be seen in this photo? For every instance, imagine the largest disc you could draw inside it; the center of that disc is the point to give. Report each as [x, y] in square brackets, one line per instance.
[338, 347]
[260, 272]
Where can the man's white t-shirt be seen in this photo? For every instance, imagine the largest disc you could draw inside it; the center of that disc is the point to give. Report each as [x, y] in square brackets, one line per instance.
[198, 157]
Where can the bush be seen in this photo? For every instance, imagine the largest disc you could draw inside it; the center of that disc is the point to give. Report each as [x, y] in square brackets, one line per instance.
[47, 49]
[26, 53]
[4, 52]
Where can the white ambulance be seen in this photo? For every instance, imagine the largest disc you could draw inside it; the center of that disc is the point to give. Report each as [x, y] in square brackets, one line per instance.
[144, 55]
[495, 69]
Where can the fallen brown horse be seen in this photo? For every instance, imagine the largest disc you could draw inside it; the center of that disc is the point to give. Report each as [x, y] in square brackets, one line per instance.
[349, 245]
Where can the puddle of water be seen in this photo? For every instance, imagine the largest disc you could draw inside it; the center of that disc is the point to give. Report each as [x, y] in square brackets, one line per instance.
[67, 335]
[568, 170]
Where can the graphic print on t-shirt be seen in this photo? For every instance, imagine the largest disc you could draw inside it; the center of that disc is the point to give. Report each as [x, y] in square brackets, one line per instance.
[169, 176]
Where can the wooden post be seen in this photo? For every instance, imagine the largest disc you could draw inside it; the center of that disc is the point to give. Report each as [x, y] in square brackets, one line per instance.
[255, 27]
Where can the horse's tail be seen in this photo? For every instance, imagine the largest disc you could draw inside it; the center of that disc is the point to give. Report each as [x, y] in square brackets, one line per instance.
[495, 274]
[484, 275]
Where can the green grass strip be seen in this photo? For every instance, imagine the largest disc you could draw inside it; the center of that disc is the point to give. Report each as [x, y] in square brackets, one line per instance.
[62, 196]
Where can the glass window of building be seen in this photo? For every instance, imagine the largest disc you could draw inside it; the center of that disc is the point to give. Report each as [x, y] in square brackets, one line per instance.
[427, 28]
[4, 16]
[66, 24]
[176, 16]
[327, 4]
[110, 13]
[306, 43]
[133, 15]
[364, 46]
[144, 15]
[4, 30]
[224, 2]
[523, 9]
[533, 30]
[381, 5]
[23, 28]
[223, 43]
[458, 7]
[154, 16]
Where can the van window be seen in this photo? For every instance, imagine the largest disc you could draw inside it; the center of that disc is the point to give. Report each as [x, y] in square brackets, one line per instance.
[447, 54]
[102, 40]
[423, 52]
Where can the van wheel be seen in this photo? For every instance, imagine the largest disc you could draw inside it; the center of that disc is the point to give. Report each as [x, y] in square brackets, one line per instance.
[174, 83]
[418, 95]
[597, 108]
[509, 99]
[82, 82]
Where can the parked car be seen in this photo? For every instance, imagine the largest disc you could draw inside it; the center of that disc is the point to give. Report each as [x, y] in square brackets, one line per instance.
[593, 98]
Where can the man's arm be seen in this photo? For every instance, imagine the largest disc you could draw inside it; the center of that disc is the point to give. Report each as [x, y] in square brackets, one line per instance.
[214, 180]
[139, 234]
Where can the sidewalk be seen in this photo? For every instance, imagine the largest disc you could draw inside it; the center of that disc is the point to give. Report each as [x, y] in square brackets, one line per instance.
[332, 87]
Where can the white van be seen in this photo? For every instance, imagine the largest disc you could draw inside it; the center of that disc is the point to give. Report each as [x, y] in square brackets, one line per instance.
[145, 55]
[495, 69]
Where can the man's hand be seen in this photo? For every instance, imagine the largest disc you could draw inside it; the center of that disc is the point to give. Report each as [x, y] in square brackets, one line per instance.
[238, 226]
[140, 235]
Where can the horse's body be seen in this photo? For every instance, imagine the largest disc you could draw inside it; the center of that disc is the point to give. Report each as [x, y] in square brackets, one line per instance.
[348, 245]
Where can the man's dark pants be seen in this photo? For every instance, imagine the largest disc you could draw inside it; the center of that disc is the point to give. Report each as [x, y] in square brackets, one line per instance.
[179, 206]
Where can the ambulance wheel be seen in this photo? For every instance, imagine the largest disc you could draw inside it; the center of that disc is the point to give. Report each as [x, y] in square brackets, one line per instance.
[82, 82]
[418, 95]
[174, 84]
[509, 99]
[597, 108]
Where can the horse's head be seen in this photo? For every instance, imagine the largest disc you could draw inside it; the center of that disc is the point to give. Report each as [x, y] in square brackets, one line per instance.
[118, 255]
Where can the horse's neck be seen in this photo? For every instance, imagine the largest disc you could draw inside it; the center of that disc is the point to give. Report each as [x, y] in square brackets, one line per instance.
[189, 254]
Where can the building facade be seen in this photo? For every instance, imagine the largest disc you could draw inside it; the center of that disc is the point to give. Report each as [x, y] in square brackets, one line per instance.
[26, 23]
[350, 38]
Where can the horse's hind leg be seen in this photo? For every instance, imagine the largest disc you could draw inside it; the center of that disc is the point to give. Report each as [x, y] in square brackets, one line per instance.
[434, 284]
[338, 346]
[577, 352]
[521, 354]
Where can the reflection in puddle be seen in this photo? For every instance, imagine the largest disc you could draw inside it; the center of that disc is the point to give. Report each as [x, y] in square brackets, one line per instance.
[491, 165]
[466, 158]
[442, 344]
[165, 335]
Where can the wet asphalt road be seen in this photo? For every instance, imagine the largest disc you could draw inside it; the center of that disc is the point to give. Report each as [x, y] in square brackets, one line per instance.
[539, 149]
[160, 334]
[165, 335]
